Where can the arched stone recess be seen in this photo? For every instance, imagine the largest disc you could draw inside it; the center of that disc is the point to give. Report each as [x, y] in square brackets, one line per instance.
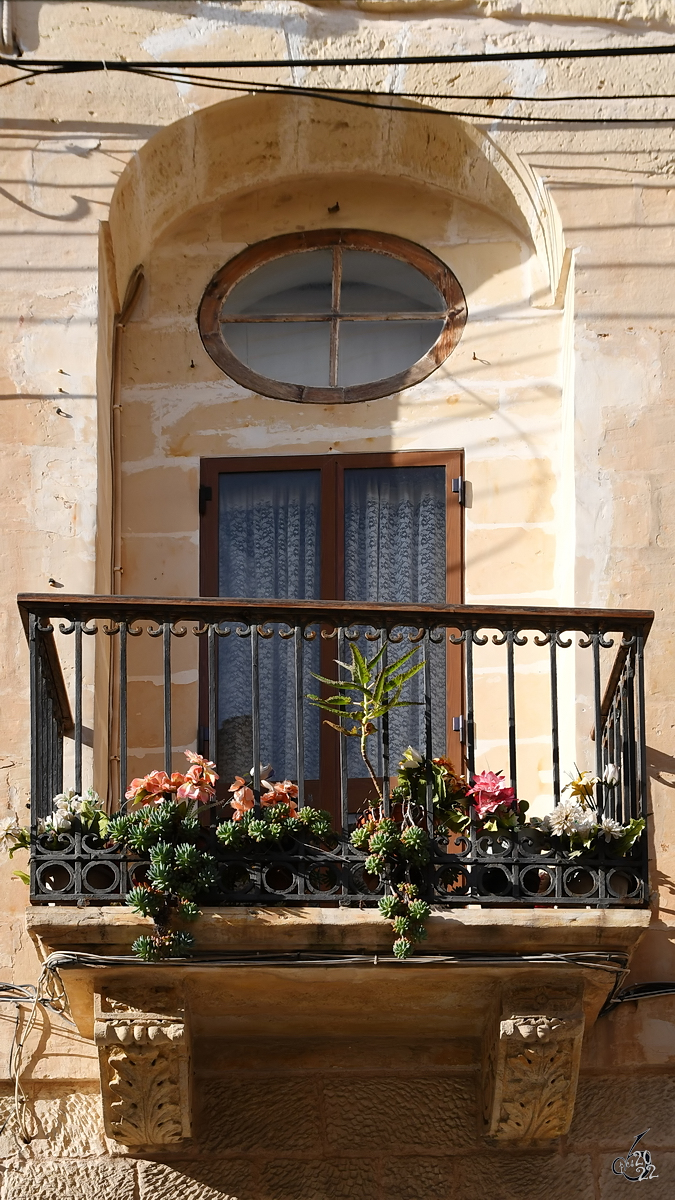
[245, 170]
[242, 144]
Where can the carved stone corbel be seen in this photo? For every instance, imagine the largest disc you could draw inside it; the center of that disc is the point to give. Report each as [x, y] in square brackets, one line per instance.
[531, 1065]
[143, 1044]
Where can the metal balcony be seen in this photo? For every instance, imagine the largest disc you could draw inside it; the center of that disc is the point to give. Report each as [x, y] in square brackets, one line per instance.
[131, 665]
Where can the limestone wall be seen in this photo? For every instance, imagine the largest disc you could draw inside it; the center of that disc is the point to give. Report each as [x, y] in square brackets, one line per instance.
[560, 393]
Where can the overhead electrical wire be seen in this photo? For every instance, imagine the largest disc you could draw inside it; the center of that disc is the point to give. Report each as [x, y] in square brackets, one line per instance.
[373, 99]
[368, 60]
[167, 71]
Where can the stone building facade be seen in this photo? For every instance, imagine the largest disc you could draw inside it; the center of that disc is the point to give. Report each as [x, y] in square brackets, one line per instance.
[323, 1084]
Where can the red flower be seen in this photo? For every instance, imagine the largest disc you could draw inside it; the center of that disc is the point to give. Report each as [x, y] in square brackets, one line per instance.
[489, 791]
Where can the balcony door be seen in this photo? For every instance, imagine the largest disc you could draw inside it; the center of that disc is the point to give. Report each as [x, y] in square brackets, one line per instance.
[368, 528]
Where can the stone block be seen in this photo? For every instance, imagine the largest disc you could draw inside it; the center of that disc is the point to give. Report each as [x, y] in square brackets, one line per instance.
[326, 1179]
[66, 1126]
[613, 1187]
[489, 1176]
[610, 1111]
[228, 1179]
[362, 1113]
[101, 1178]
[260, 1114]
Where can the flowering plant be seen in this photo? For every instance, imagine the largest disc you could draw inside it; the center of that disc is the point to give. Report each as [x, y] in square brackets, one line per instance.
[278, 816]
[575, 822]
[198, 783]
[448, 788]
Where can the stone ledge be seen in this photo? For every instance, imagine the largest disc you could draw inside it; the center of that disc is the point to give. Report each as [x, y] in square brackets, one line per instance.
[497, 988]
[506, 930]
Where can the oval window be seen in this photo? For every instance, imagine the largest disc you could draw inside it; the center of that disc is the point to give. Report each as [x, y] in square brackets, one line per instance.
[332, 316]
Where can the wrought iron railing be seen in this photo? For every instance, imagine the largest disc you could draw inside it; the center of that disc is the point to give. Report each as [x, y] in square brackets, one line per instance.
[144, 683]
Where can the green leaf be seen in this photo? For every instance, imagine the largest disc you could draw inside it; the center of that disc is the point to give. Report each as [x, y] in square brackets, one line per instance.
[360, 665]
[334, 683]
[23, 876]
[399, 680]
[375, 660]
[395, 666]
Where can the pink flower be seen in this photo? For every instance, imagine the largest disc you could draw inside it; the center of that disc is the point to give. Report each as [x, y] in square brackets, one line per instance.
[280, 793]
[489, 791]
[242, 800]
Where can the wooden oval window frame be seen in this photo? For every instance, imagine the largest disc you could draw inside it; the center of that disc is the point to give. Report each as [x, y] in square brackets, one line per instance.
[223, 282]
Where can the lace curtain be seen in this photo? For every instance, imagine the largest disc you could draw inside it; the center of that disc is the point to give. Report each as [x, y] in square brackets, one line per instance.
[395, 553]
[269, 524]
[394, 550]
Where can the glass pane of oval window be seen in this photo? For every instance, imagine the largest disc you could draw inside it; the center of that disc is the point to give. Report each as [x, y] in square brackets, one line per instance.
[289, 351]
[373, 283]
[370, 350]
[297, 283]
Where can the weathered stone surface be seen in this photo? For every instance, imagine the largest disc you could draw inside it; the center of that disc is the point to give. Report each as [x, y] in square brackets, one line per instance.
[362, 1113]
[229, 1179]
[92, 1179]
[613, 1187]
[489, 1176]
[63, 1126]
[611, 1111]
[325, 1179]
[260, 1114]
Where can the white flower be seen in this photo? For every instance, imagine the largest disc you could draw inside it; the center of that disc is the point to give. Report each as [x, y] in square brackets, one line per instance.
[609, 829]
[610, 775]
[265, 770]
[8, 832]
[58, 822]
[65, 799]
[584, 823]
[414, 756]
[568, 818]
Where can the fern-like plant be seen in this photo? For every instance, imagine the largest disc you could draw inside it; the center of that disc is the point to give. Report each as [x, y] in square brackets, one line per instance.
[372, 691]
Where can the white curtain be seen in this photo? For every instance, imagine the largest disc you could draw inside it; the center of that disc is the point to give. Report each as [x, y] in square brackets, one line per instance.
[394, 550]
[395, 553]
[269, 525]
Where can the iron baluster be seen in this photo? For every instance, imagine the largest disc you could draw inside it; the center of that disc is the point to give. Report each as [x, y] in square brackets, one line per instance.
[168, 744]
[123, 715]
[298, 645]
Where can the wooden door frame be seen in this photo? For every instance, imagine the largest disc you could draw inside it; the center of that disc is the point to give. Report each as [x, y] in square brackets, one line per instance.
[332, 468]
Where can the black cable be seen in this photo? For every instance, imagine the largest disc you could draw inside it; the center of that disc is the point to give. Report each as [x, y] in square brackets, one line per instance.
[640, 991]
[615, 963]
[363, 61]
[336, 97]
[343, 96]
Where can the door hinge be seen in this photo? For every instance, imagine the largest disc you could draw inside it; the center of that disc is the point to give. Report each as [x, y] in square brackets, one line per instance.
[459, 488]
[205, 494]
[458, 727]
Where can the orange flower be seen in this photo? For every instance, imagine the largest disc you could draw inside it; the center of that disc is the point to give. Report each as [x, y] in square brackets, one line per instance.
[154, 784]
[242, 800]
[280, 793]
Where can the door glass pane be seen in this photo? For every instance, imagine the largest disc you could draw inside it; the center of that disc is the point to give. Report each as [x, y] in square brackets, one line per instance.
[268, 548]
[297, 283]
[394, 545]
[373, 283]
[370, 350]
[292, 352]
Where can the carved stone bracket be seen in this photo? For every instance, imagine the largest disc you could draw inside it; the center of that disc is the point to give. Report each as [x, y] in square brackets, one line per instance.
[531, 1065]
[143, 1041]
